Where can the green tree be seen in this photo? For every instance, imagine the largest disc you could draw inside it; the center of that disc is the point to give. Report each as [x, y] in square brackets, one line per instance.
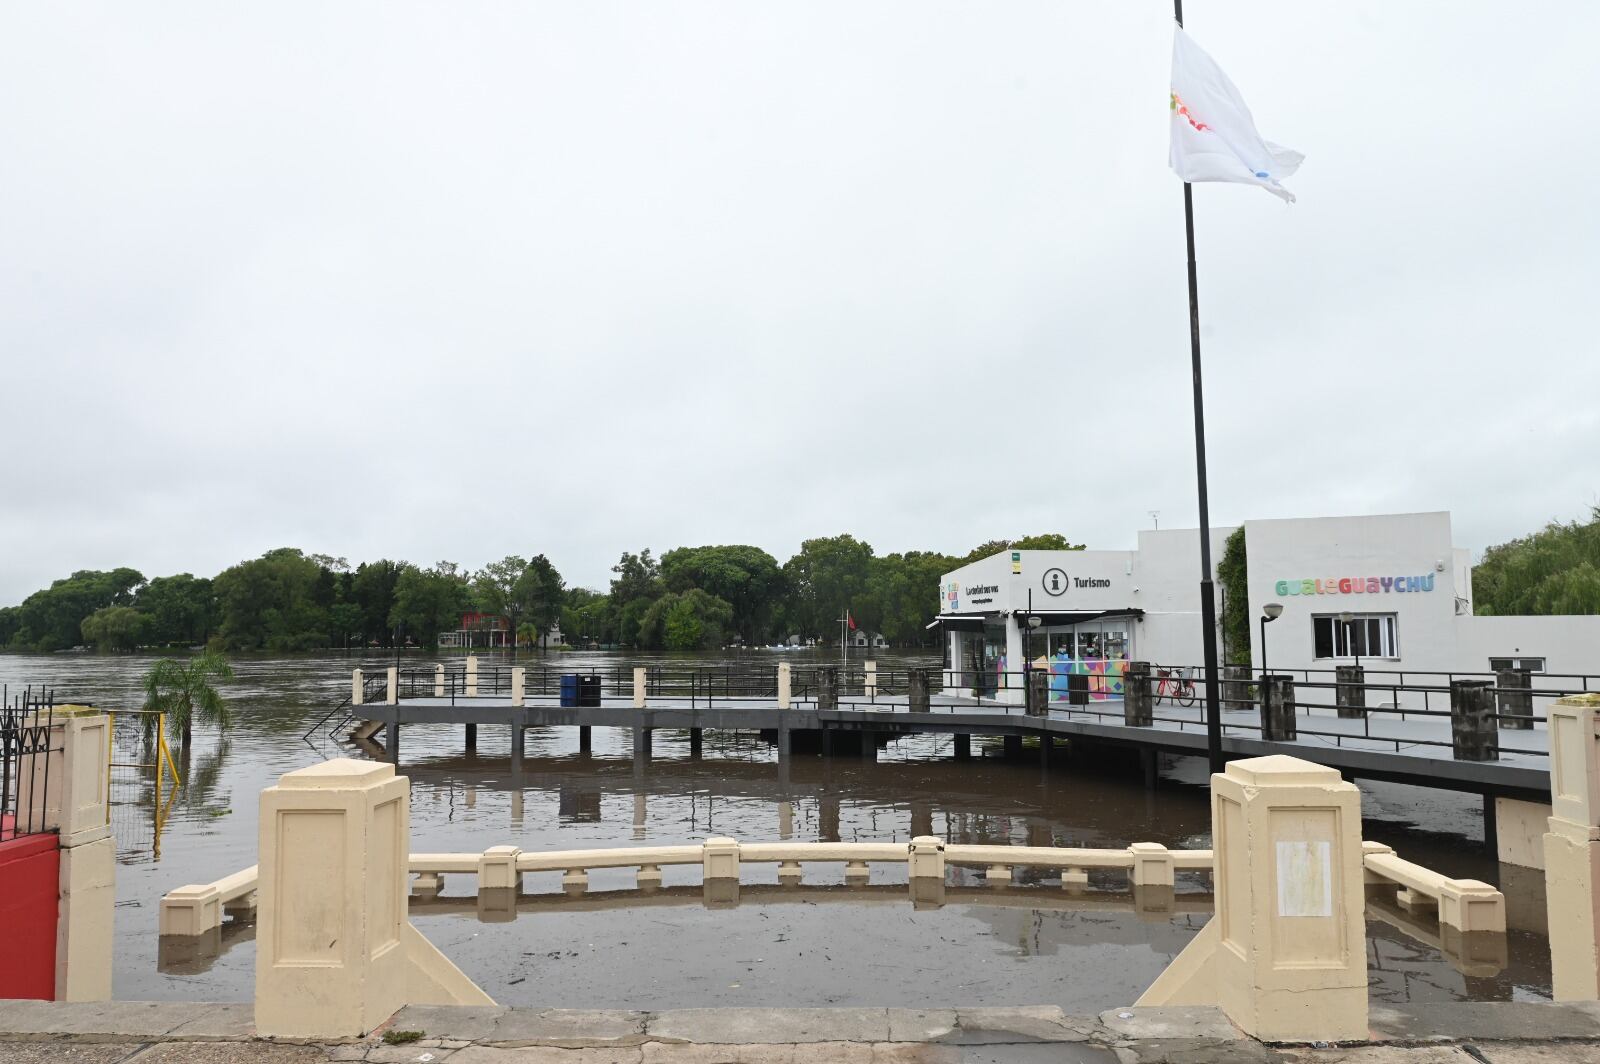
[372, 589]
[53, 618]
[1553, 571]
[278, 602]
[428, 601]
[688, 620]
[496, 585]
[344, 620]
[588, 617]
[182, 609]
[186, 692]
[903, 593]
[115, 628]
[541, 593]
[827, 577]
[1042, 541]
[1233, 572]
[747, 578]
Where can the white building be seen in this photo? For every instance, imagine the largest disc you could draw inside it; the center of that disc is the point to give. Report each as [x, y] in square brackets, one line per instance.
[1407, 587]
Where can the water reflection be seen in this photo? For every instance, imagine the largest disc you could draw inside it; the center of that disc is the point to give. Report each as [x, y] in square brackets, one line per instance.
[982, 944]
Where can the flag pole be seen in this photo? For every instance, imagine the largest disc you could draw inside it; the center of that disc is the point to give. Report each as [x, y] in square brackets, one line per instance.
[1208, 608]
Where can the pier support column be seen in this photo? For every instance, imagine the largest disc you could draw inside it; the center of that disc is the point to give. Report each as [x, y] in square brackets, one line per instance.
[585, 740]
[869, 746]
[518, 746]
[642, 742]
[1572, 849]
[1277, 709]
[695, 741]
[471, 736]
[391, 742]
[828, 818]
[1138, 710]
[1515, 698]
[1013, 746]
[963, 747]
[1474, 732]
[1351, 692]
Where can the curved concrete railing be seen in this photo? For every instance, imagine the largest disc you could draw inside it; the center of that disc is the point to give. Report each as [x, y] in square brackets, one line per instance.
[1463, 904]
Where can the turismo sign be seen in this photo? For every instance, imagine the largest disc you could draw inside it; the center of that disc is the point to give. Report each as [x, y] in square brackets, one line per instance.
[1356, 585]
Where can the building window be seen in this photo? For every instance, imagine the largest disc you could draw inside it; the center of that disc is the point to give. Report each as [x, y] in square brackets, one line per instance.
[1367, 635]
[1531, 664]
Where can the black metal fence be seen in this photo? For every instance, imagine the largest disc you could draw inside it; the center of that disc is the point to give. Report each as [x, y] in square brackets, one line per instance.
[26, 727]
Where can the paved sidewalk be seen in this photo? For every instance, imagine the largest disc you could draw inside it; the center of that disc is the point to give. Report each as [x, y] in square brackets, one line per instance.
[183, 1033]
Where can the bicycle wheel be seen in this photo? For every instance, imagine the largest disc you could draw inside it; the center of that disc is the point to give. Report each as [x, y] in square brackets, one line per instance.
[1185, 693]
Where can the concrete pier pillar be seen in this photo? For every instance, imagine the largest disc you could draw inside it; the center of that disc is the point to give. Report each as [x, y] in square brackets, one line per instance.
[1013, 746]
[828, 818]
[868, 750]
[1277, 709]
[1351, 693]
[642, 743]
[1138, 710]
[1037, 693]
[585, 739]
[1285, 955]
[330, 958]
[695, 742]
[1235, 686]
[1150, 762]
[518, 746]
[1572, 849]
[471, 737]
[1474, 734]
[963, 745]
[827, 689]
[785, 744]
[391, 742]
[917, 688]
[1515, 697]
[785, 821]
[921, 818]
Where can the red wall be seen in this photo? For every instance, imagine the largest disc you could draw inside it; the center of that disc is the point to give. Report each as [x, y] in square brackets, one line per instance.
[30, 869]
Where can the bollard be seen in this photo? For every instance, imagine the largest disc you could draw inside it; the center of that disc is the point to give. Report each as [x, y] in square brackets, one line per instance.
[1515, 697]
[827, 689]
[358, 687]
[438, 681]
[472, 676]
[1351, 693]
[1137, 708]
[1473, 734]
[1277, 709]
[785, 686]
[1037, 693]
[1572, 849]
[1236, 687]
[640, 684]
[1285, 955]
[917, 690]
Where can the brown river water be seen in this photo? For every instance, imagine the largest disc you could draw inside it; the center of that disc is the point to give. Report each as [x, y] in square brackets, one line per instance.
[812, 948]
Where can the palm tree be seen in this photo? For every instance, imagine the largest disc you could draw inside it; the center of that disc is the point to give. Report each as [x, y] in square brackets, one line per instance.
[185, 691]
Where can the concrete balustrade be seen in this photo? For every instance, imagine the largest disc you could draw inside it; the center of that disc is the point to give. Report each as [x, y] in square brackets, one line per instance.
[1466, 905]
[1572, 849]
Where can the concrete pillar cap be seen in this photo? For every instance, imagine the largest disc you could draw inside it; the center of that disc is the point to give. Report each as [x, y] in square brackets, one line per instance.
[1280, 769]
[1590, 699]
[341, 770]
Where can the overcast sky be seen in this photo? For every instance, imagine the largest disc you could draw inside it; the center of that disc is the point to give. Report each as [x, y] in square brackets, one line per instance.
[462, 280]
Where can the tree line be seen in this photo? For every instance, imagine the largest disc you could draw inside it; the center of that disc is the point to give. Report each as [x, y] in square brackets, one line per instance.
[687, 599]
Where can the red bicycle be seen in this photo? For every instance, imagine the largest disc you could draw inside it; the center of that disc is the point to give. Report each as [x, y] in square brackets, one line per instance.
[1175, 685]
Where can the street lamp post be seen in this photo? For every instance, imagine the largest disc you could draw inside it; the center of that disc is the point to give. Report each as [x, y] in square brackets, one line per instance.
[1349, 635]
[1269, 613]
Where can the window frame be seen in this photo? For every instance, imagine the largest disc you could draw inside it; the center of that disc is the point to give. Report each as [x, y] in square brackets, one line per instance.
[1388, 642]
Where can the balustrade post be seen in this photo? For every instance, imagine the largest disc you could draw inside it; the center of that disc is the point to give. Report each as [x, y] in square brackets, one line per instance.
[358, 687]
[438, 681]
[1137, 708]
[1350, 691]
[1572, 849]
[719, 863]
[640, 683]
[519, 686]
[1516, 698]
[472, 676]
[1473, 733]
[1277, 709]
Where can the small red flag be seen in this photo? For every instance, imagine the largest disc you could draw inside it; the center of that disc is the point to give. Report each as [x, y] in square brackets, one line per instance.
[851, 621]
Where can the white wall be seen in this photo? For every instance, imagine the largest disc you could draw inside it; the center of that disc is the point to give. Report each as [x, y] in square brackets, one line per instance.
[1568, 644]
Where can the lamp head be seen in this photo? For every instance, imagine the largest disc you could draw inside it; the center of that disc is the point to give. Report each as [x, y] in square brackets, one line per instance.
[1034, 620]
[1347, 616]
[1272, 611]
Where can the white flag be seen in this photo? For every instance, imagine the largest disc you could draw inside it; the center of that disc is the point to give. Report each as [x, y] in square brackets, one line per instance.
[1213, 136]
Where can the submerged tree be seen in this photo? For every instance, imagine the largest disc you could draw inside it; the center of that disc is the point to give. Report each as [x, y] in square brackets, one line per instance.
[186, 691]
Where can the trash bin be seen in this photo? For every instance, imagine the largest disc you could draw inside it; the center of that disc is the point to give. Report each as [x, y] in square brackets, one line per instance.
[589, 691]
[569, 689]
[1077, 689]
